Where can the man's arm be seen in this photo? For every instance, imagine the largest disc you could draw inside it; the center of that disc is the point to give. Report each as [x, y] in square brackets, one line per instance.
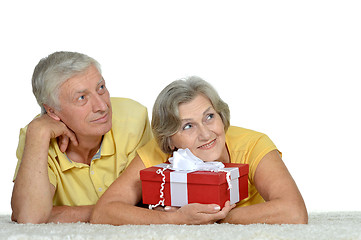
[284, 203]
[32, 198]
[67, 214]
[117, 205]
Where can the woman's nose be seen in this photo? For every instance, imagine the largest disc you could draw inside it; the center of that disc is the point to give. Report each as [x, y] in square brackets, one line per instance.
[204, 133]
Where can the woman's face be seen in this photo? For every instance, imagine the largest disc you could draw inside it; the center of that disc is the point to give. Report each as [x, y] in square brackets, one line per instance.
[202, 131]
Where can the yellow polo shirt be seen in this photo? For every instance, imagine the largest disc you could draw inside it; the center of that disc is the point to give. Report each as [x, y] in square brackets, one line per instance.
[81, 184]
[244, 146]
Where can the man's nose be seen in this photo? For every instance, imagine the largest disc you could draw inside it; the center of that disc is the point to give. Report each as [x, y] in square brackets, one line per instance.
[99, 103]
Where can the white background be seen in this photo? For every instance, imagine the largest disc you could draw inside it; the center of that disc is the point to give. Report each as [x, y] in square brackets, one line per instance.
[287, 68]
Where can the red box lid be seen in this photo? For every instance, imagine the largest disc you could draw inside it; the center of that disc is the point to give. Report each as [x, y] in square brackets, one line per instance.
[197, 177]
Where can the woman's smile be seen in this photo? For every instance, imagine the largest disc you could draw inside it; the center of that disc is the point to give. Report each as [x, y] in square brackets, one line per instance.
[208, 145]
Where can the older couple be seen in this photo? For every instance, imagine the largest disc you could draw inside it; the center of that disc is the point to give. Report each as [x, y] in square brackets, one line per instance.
[79, 160]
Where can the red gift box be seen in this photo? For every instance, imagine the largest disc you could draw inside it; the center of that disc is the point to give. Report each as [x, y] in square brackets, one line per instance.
[184, 187]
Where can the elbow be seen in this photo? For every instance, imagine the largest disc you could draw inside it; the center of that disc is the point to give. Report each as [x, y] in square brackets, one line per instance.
[298, 215]
[21, 214]
[302, 217]
[299, 218]
[95, 217]
[24, 218]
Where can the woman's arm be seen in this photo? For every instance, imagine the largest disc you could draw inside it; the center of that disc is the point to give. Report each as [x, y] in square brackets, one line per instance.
[284, 203]
[117, 205]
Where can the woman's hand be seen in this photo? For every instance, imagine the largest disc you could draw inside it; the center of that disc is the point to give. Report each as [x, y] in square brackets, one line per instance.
[196, 213]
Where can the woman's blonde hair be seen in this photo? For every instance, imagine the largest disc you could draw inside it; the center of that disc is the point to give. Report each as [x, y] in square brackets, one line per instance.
[165, 117]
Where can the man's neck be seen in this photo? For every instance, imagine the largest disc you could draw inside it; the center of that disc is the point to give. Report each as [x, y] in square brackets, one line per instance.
[84, 152]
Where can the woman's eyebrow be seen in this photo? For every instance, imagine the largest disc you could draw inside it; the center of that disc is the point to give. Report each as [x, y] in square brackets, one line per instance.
[207, 110]
[190, 119]
[186, 120]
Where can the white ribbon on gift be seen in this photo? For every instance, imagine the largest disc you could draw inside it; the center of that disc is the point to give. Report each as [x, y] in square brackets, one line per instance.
[183, 162]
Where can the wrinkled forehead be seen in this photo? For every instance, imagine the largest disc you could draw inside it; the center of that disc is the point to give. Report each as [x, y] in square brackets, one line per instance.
[81, 82]
[199, 106]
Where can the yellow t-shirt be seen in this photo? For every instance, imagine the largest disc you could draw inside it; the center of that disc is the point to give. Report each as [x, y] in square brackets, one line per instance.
[244, 146]
[80, 184]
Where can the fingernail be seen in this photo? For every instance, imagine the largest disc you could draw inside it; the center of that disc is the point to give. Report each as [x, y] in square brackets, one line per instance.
[217, 208]
[167, 208]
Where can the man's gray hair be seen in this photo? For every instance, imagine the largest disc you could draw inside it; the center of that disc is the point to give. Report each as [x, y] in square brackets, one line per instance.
[53, 70]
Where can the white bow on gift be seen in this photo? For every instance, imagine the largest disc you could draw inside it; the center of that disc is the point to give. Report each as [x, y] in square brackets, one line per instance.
[184, 160]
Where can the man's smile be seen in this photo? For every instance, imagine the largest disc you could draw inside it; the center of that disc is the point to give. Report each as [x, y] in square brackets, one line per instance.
[101, 119]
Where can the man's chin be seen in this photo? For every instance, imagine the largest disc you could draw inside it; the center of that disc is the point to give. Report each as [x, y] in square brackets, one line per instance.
[103, 130]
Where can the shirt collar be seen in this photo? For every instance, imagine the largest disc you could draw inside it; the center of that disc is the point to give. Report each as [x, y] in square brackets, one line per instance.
[108, 144]
[107, 148]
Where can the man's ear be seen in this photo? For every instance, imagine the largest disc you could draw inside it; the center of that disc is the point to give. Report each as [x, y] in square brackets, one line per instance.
[51, 113]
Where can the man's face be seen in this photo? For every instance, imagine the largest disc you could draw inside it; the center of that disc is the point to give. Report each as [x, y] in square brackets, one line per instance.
[85, 104]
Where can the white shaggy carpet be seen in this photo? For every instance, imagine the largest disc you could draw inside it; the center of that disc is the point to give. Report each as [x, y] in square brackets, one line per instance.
[332, 225]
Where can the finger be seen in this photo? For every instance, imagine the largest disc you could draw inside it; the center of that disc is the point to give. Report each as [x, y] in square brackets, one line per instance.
[74, 140]
[208, 208]
[159, 208]
[228, 206]
[171, 209]
[63, 143]
[222, 213]
[71, 136]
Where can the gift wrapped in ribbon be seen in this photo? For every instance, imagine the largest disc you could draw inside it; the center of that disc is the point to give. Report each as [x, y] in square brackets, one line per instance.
[188, 179]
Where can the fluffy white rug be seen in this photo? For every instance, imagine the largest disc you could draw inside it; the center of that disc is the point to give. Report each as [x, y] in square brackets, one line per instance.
[332, 225]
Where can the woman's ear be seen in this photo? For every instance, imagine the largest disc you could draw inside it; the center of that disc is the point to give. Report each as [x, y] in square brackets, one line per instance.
[170, 145]
[51, 113]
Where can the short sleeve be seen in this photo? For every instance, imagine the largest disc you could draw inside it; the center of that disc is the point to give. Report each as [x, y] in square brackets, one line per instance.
[151, 154]
[52, 176]
[260, 148]
[146, 135]
[19, 156]
[20, 150]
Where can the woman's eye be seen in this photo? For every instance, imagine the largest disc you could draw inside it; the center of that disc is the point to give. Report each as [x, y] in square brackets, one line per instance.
[187, 126]
[210, 116]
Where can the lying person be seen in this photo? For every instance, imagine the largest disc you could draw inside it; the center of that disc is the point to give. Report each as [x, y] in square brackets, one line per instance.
[81, 142]
[190, 114]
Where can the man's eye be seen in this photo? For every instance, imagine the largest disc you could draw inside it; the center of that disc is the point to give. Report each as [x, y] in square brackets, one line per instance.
[81, 98]
[102, 88]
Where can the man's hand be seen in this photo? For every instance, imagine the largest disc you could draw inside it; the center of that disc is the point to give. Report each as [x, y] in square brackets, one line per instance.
[51, 128]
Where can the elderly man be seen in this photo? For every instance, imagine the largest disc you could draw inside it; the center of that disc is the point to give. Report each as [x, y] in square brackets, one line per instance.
[82, 141]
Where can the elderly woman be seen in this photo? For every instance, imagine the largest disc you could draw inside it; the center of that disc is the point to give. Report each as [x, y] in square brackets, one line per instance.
[190, 114]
